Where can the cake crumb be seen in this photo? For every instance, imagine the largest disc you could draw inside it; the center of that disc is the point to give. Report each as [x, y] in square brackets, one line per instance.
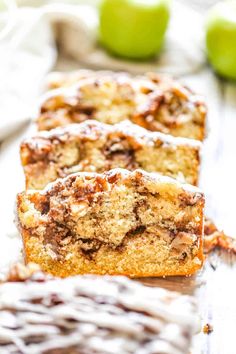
[216, 239]
[207, 328]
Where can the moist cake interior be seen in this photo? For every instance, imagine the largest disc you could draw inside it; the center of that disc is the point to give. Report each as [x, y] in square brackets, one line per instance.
[157, 104]
[96, 147]
[118, 223]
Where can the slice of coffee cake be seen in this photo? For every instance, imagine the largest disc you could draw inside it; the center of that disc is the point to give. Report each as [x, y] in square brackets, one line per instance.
[92, 314]
[97, 147]
[154, 102]
[119, 222]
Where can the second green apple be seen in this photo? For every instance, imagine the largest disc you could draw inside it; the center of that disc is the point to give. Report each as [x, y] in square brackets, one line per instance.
[134, 29]
[221, 38]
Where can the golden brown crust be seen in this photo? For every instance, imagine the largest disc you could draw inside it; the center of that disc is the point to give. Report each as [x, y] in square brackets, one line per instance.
[156, 103]
[98, 147]
[120, 222]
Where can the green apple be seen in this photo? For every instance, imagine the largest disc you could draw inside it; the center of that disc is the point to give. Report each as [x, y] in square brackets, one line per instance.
[221, 38]
[134, 29]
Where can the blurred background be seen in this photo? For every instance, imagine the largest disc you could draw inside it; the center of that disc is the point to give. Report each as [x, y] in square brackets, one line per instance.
[199, 5]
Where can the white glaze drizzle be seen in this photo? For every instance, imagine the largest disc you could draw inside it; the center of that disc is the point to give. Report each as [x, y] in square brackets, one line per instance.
[94, 315]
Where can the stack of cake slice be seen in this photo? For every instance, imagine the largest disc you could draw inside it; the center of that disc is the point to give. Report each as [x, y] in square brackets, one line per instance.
[111, 211]
[111, 188]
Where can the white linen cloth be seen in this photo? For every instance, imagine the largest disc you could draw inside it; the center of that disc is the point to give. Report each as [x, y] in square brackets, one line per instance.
[28, 52]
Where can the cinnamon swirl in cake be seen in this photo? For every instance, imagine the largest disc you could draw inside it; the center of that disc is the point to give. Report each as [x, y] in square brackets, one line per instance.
[119, 222]
[154, 102]
[97, 147]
